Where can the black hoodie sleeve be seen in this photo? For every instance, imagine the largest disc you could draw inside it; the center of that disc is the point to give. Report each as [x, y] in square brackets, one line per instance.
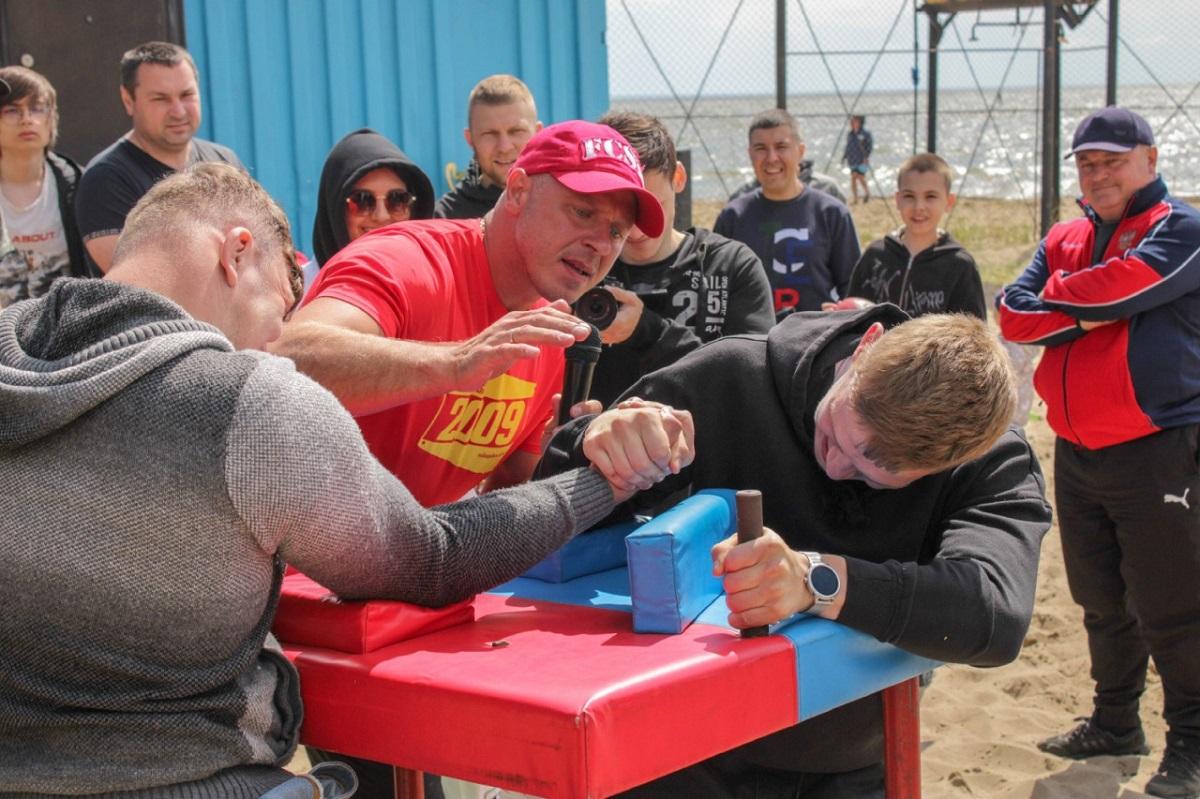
[656, 342]
[972, 602]
[967, 294]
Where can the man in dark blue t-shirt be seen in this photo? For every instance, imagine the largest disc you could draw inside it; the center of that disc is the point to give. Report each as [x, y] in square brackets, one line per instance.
[161, 94]
[805, 239]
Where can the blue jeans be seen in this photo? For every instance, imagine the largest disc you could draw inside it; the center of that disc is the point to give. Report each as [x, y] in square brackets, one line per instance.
[328, 780]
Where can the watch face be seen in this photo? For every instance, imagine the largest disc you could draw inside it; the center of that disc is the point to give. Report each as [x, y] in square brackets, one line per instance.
[824, 580]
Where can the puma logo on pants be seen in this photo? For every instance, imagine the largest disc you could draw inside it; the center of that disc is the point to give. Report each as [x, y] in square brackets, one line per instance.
[1169, 498]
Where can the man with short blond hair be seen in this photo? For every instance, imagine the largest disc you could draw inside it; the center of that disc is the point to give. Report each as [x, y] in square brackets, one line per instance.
[226, 195]
[933, 421]
[1114, 297]
[900, 502]
[161, 93]
[501, 118]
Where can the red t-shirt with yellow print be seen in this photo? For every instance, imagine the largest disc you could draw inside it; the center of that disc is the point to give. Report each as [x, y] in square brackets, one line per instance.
[429, 281]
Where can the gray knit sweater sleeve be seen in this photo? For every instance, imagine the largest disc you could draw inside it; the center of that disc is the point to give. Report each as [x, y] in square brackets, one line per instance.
[305, 485]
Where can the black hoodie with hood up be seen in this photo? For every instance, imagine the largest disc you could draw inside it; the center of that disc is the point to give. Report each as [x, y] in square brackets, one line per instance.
[942, 278]
[944, 567]
[355, 155]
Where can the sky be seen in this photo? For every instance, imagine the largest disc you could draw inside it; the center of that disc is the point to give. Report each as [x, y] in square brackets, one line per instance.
[683, 35]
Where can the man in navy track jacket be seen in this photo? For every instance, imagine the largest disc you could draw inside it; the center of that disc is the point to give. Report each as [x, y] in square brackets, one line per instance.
[1114, 297]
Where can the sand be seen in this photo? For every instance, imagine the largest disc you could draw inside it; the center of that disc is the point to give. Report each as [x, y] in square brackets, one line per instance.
[979, 726]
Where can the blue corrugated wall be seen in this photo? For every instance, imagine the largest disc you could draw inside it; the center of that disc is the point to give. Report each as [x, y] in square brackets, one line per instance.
[282, 80]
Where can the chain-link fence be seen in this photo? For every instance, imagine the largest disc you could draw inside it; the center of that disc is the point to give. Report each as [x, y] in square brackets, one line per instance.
[707, 66]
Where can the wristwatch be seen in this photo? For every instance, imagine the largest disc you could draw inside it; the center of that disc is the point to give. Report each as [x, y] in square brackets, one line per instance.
[823, 581]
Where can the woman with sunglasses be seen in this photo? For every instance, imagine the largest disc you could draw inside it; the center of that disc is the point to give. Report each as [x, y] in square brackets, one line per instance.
[367, 182]
[37, 190]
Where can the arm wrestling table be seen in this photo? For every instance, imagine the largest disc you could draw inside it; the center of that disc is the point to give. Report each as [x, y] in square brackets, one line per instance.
[548, 691]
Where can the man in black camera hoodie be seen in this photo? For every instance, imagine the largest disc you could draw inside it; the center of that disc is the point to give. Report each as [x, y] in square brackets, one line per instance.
[709, 287]
[940, 561]
[676, 290]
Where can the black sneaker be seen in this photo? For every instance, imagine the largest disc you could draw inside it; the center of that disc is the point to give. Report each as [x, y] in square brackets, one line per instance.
[1089, 740]
[1178, 775]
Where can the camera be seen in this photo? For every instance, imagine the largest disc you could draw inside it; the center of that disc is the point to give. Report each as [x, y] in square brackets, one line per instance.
[598, 307]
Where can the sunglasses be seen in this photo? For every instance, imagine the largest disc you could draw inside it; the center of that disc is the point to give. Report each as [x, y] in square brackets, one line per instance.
[398, 202]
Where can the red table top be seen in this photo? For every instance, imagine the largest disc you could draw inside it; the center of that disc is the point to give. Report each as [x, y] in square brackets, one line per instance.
[549, 699]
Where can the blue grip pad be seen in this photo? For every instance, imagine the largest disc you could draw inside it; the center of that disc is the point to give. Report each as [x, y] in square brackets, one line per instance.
[589, 553]
[670, 565]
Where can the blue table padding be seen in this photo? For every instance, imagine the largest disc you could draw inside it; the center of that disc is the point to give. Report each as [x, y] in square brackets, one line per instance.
[670, 562]
[608, 590]
[834, 664]
[589, 553]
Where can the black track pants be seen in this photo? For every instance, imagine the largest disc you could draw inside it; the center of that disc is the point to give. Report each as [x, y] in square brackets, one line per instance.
[1129, 516]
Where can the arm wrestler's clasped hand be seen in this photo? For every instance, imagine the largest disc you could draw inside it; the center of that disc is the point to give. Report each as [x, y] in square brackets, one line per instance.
[516, 335]
[638, 443]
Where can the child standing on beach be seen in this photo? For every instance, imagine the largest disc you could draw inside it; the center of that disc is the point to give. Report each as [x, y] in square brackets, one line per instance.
[919, 267]
[859, 143]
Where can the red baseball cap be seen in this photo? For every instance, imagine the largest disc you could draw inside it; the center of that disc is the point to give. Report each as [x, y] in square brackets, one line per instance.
[591, 159]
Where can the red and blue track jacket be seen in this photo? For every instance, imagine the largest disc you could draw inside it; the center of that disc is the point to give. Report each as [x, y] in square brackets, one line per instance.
[1141, 374]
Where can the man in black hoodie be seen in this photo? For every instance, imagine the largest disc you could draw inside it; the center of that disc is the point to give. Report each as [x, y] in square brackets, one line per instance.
[501, 118]
[903, 509]
[677, 290]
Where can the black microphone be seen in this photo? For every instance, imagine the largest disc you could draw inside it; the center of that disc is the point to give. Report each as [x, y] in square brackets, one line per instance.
[577, 376]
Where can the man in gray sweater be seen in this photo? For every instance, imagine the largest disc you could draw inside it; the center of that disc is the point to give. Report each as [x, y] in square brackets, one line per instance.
[153, 481]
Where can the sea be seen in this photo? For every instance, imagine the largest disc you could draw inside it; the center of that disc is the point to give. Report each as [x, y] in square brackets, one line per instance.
[994, 155]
